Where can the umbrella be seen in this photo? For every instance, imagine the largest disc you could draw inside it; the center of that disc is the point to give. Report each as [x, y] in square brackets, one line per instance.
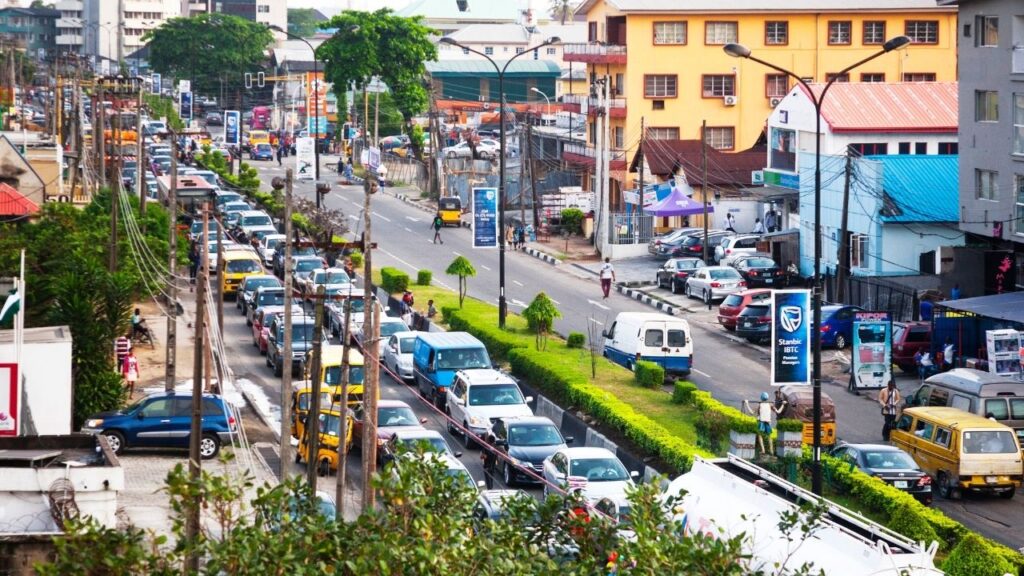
[676, 204]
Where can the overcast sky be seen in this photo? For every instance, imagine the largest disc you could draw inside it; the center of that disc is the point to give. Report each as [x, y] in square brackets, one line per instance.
[332, 7]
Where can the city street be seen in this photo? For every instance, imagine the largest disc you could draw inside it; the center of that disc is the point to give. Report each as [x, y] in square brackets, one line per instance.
[731, 371]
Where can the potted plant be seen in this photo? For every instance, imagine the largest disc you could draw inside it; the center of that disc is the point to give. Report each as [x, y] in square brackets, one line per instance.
[743, 438]
[790, 438]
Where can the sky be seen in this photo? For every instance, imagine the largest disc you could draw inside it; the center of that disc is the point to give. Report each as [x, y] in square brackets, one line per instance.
[332, 7]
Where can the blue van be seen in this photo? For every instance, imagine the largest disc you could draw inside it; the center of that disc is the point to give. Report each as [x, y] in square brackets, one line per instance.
[437, 356]
[164, 420]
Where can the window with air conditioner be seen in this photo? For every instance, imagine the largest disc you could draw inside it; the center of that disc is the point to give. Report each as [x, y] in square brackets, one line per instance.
[718, 85]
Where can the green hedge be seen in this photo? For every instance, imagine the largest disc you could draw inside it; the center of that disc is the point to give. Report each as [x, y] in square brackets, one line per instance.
[575, 340]
[738, 421]
[649, 374]
[975, 556]
[423, 277]
[393, 280]
[484, 325]
[546, 372]
[789, 425]
[682, 392]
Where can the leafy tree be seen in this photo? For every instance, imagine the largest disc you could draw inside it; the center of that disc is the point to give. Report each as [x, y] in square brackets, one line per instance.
[540, 315]
[462, 268]
[303, 21]
[203, 46]
[563, 9]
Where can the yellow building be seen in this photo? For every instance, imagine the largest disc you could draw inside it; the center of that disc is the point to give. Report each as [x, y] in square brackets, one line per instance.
[666, 67]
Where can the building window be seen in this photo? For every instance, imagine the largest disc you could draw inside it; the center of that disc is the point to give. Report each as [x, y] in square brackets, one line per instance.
[721, 137]
[922, 31]
[263, 9]
[986, 31]
[1018, 123]
[660, 85]
[904, 147]
[919, 77]
[465, 50]
[669, 33]
[872, 77]
[551, 51]
[837, 77]
[519, 49]
[920, 148]
[949, 147]
[718, 85]
[663, 133]
[839, 32]
[874, 32]
[657, 104]
[986, 106]
[985, 186]
[489, 50]
[776, 33]
[776, 85]
[868, 149]
[1018, 212]
[620, 137]
[860, 251]
[720, 33]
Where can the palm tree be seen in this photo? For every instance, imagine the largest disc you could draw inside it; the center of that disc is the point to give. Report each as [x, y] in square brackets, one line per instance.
[562, 9]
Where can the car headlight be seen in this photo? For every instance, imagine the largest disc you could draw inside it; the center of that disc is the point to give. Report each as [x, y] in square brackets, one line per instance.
[516, 461]
[96, 423]
[477, 421]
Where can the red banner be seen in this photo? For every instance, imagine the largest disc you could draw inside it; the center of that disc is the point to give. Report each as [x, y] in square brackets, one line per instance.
[9, 400]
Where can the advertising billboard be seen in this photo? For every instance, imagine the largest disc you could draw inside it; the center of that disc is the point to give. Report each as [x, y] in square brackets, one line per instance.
[305, 157]
[185, 105]
[871, 357]
[485, 217]
[9, 395]
[791, 337]
[316, 104]
[232, 128]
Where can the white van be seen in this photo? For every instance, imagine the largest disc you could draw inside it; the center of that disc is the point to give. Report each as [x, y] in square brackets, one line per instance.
[650, 336]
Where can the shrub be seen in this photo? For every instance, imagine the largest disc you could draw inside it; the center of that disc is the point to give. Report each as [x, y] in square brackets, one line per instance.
[738, 421]
[974, 556]
[649, 374]
[712, 431]
[789, 425]
[682, 392]
[483, 325]
[394, 280]
[906, 520]
[575, 340]
[357, 259]
[423, 277]
[572, 220]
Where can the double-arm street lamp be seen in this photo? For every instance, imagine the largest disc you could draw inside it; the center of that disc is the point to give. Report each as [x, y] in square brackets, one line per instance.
[502, 305]
[740, 51]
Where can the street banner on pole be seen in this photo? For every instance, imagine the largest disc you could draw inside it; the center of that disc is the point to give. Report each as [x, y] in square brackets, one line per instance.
[185, 105]
[791, 337]
[156, 81]
[9, 395]
[305, 157]
[373, 158]
[485, 218]
[232, 131]
[871, 360]
[316, 104]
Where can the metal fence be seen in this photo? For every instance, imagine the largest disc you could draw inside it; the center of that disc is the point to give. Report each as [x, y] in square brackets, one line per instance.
[630, 228]
[897, 296]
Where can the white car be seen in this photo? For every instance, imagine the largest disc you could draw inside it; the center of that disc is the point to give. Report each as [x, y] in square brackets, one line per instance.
[477, 397]
[486, 149]
[714, 283]
[596, 472]
[398, 354]
[388, 325]
[250, 219]
[732, 247]
[329, 278]
[268, 246]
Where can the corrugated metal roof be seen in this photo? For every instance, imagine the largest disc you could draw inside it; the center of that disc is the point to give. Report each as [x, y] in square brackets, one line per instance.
[481, 67]
[768, 6]
[891, 107]
[920, 188]
[12, 203]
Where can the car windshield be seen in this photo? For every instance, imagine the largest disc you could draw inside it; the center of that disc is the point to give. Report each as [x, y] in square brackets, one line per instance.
[757, 310]
[460, 475]
[496, 395]
[197, 226]
[691, 241]
[307, 265]
[686, 264]
[273, 243]
[305, 398]
[733, 300]
[725, 274]
[300, 332]
[330, 424]
[210, 177]
[242, 266]
[389, 328]
[433, 444]
[989, 442]
[263, 147]
[405, 345]
[598, 469]
[332, 375]
[236, 207]
[396, 416]
[462, 359]
[759, 262]
[356, 305]
[270, 298]
[534, 435]
[325, 277]
[891, 459]
[254, 283]
[256, 220]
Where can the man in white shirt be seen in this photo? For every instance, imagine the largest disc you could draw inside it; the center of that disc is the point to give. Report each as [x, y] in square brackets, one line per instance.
[607, 276]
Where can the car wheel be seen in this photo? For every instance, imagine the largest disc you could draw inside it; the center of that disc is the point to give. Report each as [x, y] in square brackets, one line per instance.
[324, 468]
[946, 489]
[676, 288]
[449, 425]
[467, 437]
[507, 476]
[115, 440]
[707, 297]
[688, 291]
[840, 341]
[248, 321]
[1008, 495]
[278, 368]
[209, 446]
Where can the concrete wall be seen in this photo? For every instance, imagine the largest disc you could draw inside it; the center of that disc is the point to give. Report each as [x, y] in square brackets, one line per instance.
[904, 244]
[46, 367]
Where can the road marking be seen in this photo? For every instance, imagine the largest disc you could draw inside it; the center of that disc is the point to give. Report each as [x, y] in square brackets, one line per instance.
[356, 218]
[598, 304]
[356, 204]
[382, 217]
[411, 218]
[407, 265]
[598, 322]
[485, 267]
[456, 253]
[555, 301]
[519, 303]
[517, 282]
[407, 229]
[704, 374]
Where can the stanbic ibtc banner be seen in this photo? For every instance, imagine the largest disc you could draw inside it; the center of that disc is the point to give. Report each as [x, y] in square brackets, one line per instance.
[232, 128]
[791, 337]
[485, 217]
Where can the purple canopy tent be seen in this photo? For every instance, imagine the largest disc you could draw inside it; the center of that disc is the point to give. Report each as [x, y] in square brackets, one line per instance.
[677, 203]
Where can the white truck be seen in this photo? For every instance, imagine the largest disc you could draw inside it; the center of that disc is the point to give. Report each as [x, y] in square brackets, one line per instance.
[724, 498]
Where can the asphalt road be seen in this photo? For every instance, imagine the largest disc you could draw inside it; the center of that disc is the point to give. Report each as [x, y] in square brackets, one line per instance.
[731, 371]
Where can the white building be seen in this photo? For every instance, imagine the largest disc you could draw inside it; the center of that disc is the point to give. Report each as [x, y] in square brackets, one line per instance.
[503, 41]
[269, 12]
[46, 392]
[109, 30]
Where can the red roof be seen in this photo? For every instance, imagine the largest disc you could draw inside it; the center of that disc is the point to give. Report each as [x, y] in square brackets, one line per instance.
[726, 169]
[12, 203]
[890, 107]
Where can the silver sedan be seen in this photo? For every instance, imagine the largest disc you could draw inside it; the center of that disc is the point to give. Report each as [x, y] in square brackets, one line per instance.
[714, 283]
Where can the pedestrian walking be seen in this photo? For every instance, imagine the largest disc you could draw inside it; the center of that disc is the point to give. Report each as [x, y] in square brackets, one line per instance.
[436, 225]
[889, 398]
[771, 221]
[607, 276]
[122, 344]
[130, 371]
[509, 237]
[280, 153]
[730, 222]
[193, 262]
[948, 353]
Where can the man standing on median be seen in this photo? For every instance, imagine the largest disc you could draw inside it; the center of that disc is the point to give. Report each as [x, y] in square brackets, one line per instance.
[607, 276]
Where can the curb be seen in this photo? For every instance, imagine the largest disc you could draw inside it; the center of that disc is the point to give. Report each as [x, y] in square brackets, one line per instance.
[543, 256]
[643, 298]
[265, 418]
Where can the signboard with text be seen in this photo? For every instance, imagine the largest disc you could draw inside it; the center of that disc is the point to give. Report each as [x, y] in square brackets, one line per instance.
[485, 217]
[9, 395]
[316, 104]
[791, 337]
[156, 83]
[305, 157]
[185, 105]
[232, 128]
[871, 357]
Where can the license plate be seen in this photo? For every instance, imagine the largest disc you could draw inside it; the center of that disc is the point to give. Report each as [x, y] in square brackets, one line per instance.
[900, 483]
[768, 281]
[990, 479]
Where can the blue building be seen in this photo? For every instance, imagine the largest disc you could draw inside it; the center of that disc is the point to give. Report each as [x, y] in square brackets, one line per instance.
[35, 29]
[900, 207]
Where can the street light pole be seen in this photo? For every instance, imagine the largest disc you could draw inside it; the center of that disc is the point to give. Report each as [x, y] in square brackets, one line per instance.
[546, 99]
[502, 304]
[740, 51]
[314, 129]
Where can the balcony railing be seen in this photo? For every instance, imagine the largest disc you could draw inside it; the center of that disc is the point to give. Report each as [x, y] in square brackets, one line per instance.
[587, 154]
[574, 103]
[595, 53]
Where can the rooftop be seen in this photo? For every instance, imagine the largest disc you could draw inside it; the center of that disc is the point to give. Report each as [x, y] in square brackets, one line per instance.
[666, 157]
[481, 67]
[475, 10]
[716, 6]
[890, 107]
[13, 205]
[920, 188]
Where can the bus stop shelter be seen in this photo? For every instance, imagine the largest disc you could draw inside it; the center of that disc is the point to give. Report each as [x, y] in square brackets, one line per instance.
[966, 321]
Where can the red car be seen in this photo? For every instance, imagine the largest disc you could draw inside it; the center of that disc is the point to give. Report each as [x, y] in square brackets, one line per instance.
[907, 339]
[392, 416]
[733, 304]
[261, 325]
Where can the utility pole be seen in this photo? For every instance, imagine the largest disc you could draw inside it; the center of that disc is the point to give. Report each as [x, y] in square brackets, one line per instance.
[115, 197]
[140, 164]
[704, 186]
[285, 446]
[339, 487]
[843, 258]
[172, 267]
[599, 172]
[100, 129]
[220, 277]
[369, 448]
[522, 178]
[194, 460]
[640, 168]
[312, 428]
[376, 111]
[533, 178]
